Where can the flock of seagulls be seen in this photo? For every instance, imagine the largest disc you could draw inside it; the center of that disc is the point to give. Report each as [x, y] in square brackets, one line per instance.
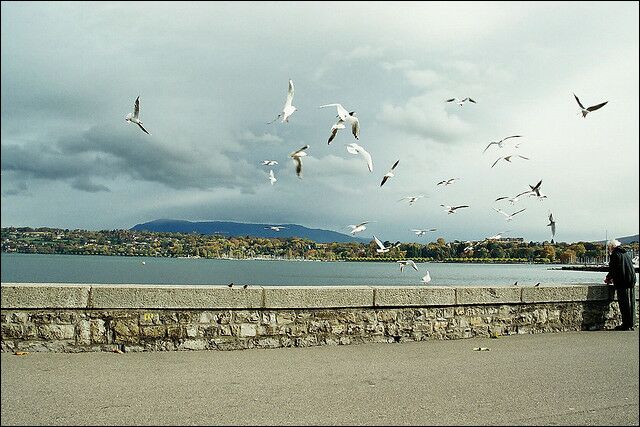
[349, 118]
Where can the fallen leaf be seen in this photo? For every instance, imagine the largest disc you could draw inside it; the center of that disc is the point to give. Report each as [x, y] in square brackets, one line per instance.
[21, 353]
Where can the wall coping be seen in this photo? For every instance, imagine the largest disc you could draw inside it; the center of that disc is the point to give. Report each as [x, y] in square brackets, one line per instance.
[102, 296]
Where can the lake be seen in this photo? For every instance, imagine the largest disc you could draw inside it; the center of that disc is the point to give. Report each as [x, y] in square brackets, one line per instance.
[39, 268]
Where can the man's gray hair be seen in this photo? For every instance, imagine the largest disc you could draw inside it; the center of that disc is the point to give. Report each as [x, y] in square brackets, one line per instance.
[613, 243]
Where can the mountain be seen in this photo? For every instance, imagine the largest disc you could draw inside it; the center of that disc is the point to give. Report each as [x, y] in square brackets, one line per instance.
[624, 240]
[235, 229]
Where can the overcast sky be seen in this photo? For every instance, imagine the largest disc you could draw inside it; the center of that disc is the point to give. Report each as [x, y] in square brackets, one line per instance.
[211, 75]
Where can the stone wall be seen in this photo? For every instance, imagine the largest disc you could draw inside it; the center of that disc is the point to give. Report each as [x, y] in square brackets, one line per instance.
[75, 318]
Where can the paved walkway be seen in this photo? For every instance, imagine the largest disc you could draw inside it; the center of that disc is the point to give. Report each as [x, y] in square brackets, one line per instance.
[571, 378]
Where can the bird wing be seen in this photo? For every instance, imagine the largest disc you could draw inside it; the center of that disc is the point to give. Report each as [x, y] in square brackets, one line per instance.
[553, 229]
[379, 243]
[367, 157]
[342, 112]
[413, 264]
[142, 127]
[355, 126]
[395, 164]
[494, 163]
[459, 207]
[595, 107]
[271, 175]
[490, 144]
[289, 95]
[512, 136]
[523, 157]
[136, 108]
[579, 103]
[501, 211]
[295, 153]
[518, 211]
[353, 148]
[298, 163]
[451, 100]
[384, 179]
[502, 198]
[471, 100]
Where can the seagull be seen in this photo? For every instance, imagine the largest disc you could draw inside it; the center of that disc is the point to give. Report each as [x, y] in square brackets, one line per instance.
[296, 156]
[389, 174]
[587, 110]
[508, 217]
[447, 181]
[508, 159]
[412, 199]
[420, 232]
[358, 227]
[275, 227]
[500, 143]
[354, 148]
[245, 286]
[511, 200]
[382, 248]
[452, 209]
[552, 224]
[515, 283]
[460, 101]
[343, 117]
[134, 117]
[535, 191]
[269, 162]
[496, 236]
[288, 109]
[230, 285]
[536, 285]
[272, 178]
[426, 278]
[404, 263]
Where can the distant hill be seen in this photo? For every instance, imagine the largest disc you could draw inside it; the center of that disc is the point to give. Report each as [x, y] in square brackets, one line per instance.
[235, 229]
[624, 240]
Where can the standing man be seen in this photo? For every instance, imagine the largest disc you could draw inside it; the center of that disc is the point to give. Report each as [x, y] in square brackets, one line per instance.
[623, 276]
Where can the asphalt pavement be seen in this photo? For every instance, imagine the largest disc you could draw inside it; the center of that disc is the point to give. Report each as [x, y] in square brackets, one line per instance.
[569, 378]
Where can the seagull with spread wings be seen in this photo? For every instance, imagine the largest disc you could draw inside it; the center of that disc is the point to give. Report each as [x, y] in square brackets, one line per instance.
[587, 110]
[460, 101]
[288, 109]
[390, 173]
[344, 116]
[552, 224]
[507, 216]
[449, 181]
[407, 262]
[358, 227]
[452, 209]
[296, 156]
[501, 142]
[421, 232]
[508, 159]
[354, 148]
[412, 199]
[269, 162]
[135, 116]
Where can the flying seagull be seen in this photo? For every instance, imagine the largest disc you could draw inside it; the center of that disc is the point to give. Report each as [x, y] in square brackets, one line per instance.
[382, 248]
[426, 278]
[296, 156]
[405, 263]
[448, 181]
[354, 148]
[501, 142]
[452, 209]
[421, 232]
[344, 116]
[497, 236]
[275, 227]
[508, 217]
[269, 162]
[508, 159]
[358, 227]
[511, 200]
[135, 116]
[460, 101]
[552, 224]
[535, 191]
[272, 178]
[390, 173]
[288, 109]
[412, 199]
[587, 110]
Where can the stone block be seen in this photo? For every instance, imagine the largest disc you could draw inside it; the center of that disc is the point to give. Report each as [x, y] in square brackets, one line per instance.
[406, 296]
[44, 295]
[174, 297]
[566, 293]
[317, 296]
[487, 295]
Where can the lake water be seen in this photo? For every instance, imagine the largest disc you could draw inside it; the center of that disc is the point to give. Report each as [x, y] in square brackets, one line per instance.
[37, 268]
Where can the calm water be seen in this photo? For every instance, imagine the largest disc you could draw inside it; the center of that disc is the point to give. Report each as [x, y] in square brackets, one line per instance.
[33, 268]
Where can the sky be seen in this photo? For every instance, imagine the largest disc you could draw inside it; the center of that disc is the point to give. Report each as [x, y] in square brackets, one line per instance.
[211, 75]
